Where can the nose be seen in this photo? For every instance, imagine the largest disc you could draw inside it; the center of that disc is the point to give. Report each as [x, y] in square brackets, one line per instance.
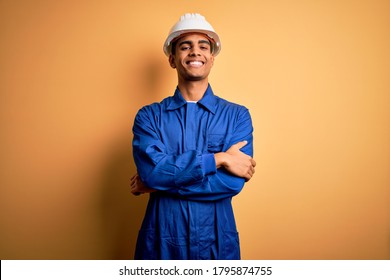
[195, 51]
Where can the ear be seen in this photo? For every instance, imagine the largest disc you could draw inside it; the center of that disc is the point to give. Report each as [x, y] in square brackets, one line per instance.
[171, 60]
[212, 59]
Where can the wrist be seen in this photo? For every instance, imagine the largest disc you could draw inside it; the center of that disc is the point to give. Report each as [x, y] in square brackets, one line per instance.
[220, 159]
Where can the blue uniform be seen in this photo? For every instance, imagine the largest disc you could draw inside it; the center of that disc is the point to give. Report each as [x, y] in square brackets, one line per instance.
[191, 215]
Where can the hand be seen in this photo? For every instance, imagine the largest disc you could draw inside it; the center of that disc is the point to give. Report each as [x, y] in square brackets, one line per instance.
[138, 187]
[237, 162]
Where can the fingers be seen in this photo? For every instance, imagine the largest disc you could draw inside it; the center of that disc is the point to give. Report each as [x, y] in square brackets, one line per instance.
[137, 187]
[134, 177]
[251, 171]
[250, 174]
[241, 144]
[134, 184]
[133, 181]
[253, 162]
[239, 163]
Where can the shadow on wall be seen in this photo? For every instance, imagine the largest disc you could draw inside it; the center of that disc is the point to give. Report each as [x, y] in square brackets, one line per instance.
[121, 212]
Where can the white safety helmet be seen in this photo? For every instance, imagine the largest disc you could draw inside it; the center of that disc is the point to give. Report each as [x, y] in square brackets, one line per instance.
[192, 23]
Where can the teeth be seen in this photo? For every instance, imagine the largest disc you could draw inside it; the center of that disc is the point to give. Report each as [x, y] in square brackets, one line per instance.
[196, 63]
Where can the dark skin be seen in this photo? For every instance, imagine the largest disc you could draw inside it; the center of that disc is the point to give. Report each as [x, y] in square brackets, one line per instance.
[193, 60]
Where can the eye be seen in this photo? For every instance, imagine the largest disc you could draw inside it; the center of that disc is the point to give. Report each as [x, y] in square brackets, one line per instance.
[185, 47]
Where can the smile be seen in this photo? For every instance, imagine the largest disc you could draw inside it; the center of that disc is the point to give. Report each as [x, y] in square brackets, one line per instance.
[195, 63]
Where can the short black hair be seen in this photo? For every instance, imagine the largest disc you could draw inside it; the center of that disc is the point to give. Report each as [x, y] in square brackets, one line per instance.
[173, 47]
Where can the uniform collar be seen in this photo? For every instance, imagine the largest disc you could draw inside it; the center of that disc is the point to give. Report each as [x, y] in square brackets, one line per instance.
[208, 101]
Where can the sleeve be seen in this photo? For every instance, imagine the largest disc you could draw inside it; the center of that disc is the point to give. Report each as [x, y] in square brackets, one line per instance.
[223, 184]
[191, 175]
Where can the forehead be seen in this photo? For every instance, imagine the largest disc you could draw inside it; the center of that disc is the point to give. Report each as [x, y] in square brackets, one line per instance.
[193, 37]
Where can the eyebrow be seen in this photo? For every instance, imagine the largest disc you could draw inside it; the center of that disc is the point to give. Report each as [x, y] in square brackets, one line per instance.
[199, 42]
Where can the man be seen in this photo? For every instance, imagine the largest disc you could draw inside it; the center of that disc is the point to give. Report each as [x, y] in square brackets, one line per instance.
[193, 153]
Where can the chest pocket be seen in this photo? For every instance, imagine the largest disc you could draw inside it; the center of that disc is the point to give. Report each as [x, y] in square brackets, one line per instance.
[216, 142]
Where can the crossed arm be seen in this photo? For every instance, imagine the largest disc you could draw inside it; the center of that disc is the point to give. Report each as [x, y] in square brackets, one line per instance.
[233, 160]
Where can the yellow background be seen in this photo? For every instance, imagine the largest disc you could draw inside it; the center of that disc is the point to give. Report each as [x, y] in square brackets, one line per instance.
[314, 74]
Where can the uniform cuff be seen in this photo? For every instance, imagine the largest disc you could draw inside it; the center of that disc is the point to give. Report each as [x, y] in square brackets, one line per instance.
[208, 164]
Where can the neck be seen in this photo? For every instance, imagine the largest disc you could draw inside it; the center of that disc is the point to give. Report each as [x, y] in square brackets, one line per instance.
[193, 90]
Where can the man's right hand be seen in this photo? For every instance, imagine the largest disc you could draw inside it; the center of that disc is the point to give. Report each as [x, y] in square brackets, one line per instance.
[138, 187]
[236, 162]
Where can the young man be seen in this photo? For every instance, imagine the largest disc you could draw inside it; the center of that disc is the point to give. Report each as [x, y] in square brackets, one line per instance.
[193, 153]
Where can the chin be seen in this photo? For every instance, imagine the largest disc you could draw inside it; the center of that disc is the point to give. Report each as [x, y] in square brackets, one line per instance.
[196, 79]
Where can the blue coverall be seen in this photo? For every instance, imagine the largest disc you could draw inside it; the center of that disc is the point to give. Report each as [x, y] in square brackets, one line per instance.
[191, 215]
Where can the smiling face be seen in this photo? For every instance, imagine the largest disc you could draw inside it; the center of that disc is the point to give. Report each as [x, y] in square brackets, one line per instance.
[192, 57]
